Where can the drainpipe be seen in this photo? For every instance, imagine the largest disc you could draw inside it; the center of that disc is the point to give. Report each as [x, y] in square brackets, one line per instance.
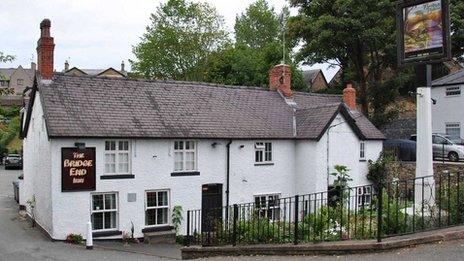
[228, 178]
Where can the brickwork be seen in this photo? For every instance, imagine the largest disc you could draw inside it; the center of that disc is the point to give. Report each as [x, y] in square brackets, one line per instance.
[280, 79]
[349, 97]
[45, 49]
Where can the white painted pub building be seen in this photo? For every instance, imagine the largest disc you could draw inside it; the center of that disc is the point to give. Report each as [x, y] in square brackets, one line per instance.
[118, 151]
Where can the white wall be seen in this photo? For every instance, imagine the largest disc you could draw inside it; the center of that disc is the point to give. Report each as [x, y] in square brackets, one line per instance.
[37, 165]
[447, 109]
[153, 173]
[344, 149]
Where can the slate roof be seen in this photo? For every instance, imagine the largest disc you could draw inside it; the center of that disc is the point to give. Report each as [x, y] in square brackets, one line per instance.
[7, 72]
[310, 75]
[450, 79]
[90, 106]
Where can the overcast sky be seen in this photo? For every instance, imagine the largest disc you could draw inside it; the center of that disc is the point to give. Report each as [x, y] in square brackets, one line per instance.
[91, 33]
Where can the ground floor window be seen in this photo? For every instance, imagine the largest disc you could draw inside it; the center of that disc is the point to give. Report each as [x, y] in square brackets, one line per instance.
[104, 211]
[157, 207]
[364, 196]
[268, 206]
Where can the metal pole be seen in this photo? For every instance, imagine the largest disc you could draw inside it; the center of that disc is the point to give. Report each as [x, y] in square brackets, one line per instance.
[234, 235]
[379, 213]
[295, 239]
[187, 240]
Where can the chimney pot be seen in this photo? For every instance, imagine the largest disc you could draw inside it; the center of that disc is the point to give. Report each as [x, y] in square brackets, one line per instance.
[349, 97]
[33, 66]
[280, 77]
[122, 66]
[45, 50]
[66, 66]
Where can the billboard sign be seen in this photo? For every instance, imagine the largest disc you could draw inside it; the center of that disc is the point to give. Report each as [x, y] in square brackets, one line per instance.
[423, 31]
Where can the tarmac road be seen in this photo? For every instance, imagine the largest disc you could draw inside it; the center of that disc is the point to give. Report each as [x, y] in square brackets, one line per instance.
[18, 242]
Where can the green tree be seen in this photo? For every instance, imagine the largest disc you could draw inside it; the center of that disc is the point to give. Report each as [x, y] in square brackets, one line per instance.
[457, 28]
[179, 41]
[258, 47]
[258, 26]
[354, 34]
[4, 58]
[360, 37]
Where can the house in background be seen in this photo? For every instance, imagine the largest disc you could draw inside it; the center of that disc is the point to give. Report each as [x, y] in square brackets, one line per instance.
[109, 72]
[448, 112]
[16, 80]
[122, 152]
[315, 80]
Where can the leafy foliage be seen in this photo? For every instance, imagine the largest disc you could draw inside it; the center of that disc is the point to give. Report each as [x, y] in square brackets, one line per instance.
[74, 239]
[4, 58]
[179, 41]
[378, 169]
[360, 37]
[357, 35]
[187, 41]
[177, 217]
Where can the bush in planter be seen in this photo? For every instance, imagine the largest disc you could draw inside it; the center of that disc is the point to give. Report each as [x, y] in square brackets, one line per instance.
[74, 238]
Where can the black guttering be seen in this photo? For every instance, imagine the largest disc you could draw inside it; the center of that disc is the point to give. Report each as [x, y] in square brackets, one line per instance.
[228, 177]
[30, 105]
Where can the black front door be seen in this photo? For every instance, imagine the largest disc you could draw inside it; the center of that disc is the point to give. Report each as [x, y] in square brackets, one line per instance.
[211, 210]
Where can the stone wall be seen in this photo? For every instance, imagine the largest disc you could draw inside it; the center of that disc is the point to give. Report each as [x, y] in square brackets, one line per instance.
[407, 170]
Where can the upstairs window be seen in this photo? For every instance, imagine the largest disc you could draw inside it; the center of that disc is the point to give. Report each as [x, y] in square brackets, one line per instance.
[117, 157]
[19, 82]
[184, 155]
[362, 150]
[453, 91]
[453, 130]
[263, 152]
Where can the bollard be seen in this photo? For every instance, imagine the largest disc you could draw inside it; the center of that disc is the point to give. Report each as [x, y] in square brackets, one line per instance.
[89, 239]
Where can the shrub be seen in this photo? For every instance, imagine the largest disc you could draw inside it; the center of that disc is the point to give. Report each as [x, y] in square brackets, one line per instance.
[74, 238]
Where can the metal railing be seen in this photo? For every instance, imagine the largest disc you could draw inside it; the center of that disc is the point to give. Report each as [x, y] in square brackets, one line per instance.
[351, 213]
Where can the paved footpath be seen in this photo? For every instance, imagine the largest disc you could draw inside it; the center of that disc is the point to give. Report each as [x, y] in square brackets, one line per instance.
[451, 250]
[19, 242]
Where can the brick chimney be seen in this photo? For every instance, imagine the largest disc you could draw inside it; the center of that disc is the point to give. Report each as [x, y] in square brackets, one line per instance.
[45, 48]
[66, 66]
[280, 77]
[349, 97]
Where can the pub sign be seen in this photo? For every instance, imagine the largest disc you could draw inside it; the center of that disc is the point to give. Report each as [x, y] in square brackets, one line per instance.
[423, 31]
[77, 169]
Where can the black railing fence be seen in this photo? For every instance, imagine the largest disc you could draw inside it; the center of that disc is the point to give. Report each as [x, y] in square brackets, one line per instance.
[364, 212]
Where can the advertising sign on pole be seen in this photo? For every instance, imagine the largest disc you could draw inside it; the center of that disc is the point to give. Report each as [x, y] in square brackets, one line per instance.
[423, 32]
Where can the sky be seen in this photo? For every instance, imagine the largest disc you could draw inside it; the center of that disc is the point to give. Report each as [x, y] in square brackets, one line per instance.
[93, 33]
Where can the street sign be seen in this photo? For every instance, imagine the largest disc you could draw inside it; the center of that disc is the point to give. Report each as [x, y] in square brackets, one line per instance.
[423, 32]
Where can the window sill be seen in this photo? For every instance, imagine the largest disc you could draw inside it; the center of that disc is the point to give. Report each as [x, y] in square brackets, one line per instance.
[362, 160]
[185, 173]
[118, 176]
[157, 229]
[106, 233]
[264, 164]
